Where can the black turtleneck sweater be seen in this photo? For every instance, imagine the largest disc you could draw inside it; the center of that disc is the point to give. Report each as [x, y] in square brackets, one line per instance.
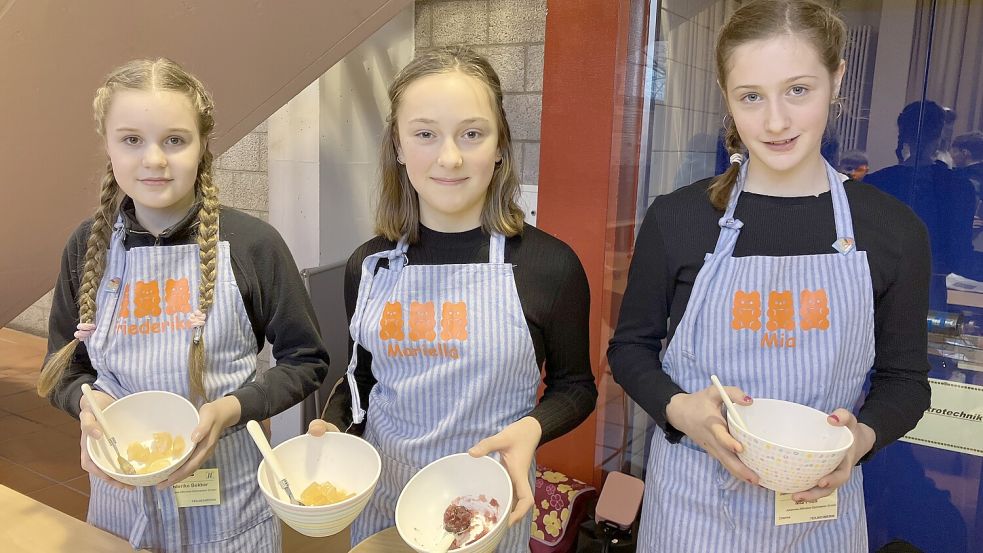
[273, 293]
[681, 227]
[555, 299]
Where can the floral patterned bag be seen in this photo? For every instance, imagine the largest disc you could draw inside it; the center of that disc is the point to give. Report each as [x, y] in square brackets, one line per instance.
[560, 506]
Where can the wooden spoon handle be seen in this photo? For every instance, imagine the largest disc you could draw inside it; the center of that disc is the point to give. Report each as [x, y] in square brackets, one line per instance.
[445, 543]
[264, 447]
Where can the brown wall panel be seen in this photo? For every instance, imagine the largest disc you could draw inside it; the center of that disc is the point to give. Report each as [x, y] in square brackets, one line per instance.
[253, 56]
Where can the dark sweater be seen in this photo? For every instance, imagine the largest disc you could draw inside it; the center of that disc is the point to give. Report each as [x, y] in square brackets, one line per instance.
[555, 299]
[681, 227]
[273, 293]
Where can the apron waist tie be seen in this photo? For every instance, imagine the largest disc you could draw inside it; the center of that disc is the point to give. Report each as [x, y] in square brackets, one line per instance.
[138, 530]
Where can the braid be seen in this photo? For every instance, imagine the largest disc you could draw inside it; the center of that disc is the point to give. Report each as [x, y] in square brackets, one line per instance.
[95, 254]
[207, 253]
[721, 187]
[94, 267]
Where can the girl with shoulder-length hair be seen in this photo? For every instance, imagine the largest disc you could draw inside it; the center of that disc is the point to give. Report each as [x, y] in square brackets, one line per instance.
[457, 304]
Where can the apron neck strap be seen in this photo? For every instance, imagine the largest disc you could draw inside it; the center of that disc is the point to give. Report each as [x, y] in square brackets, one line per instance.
[397, 256]
[841, 206]
[119, 229]
[496, 248]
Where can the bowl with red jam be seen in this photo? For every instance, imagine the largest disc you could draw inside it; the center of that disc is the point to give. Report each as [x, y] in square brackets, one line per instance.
[461, 499]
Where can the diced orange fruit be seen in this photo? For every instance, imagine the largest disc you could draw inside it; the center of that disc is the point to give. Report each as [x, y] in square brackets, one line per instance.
[158, 453]
[178, 448]
[162, 444]
[159, 464]
[137, 452]
[323, 494]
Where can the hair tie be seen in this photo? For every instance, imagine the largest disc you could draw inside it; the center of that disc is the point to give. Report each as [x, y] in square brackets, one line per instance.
[84, 331]
[197, 320]
[736, 158]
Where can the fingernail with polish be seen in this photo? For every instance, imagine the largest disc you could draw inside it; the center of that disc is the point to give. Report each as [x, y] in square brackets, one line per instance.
[835, 418]
[747, 399]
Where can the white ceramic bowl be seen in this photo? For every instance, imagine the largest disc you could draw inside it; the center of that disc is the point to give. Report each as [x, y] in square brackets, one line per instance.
[135, 418]
[421, 505]
[790, 446]
[347, 462]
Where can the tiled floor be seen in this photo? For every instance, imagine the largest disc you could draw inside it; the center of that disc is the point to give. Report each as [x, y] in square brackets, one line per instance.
[39, 444]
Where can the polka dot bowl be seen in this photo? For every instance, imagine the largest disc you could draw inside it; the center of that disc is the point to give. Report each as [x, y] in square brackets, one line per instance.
[790, 446]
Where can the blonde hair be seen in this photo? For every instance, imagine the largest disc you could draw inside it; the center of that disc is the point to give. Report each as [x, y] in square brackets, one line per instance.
[762, 19]
[398, 211]
[149, 75]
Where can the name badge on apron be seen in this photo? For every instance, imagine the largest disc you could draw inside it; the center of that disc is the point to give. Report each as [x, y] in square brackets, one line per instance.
[788, 511]
[199, 489]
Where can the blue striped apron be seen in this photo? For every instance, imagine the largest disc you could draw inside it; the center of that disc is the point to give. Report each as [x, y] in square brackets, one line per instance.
[807, 337]
[141, 342]
[454, 363]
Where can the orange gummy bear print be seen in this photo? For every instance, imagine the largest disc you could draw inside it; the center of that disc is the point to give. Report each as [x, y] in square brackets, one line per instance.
[781, 313]
[423, 321]
[747, 310]
[391, 324]
[454, 321]
[177, 296]
[813, 310]
[146, 296]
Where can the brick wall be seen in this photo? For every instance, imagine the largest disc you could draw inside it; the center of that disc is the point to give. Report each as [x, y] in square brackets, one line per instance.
[511, 34]
[241, 174]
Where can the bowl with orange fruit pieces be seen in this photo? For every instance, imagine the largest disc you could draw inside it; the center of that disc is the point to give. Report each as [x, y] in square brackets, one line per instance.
[333, 476]
[152, 430]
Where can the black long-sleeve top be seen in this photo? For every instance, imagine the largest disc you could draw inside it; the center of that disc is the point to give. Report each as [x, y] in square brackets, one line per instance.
[679, 228]
[555, 300]
[272, 291]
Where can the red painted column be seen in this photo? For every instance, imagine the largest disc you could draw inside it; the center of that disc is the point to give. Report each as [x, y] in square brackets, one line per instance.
[581, 175]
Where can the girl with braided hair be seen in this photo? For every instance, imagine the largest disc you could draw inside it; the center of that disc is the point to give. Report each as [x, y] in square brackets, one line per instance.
[811, 284]
[164, 289]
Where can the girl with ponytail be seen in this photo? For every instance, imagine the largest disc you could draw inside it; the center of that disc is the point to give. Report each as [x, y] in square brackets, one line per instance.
[155, 294]
[784, 279]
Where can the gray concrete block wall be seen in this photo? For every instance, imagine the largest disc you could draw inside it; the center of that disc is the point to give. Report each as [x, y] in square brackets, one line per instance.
[511, 34]
[34, 319]
[241, 174]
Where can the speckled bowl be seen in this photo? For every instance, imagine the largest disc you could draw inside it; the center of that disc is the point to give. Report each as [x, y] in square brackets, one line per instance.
[790, 446]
